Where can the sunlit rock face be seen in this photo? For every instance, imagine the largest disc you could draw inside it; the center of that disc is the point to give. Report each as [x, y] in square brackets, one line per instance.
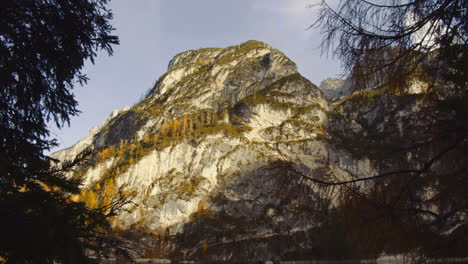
[213, 156]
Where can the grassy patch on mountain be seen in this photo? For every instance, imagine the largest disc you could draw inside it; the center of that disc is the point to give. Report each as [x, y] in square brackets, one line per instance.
[364, 97]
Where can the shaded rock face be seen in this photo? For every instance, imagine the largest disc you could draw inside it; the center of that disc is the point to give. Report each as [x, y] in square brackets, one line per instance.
[214, 152]
[335, 88]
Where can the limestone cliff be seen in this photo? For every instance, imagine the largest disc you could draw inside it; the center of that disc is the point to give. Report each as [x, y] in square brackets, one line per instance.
[213, 152]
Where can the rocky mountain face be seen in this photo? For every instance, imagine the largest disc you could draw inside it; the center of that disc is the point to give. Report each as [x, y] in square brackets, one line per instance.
[216, 153]
[335, 88]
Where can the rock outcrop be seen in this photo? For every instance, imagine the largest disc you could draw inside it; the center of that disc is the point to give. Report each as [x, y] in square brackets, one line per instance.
[335, 88]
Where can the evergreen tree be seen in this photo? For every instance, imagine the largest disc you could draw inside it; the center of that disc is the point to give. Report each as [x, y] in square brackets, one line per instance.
[43, 47]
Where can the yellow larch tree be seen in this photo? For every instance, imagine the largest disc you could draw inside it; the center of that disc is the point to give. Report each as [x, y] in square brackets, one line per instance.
[175, 128]
[121, 147]
[106, 153]
[201, 207]
[75, 198]
[89, 198]
[185, 125]
[109, 191]
[204, 248]
[165, 128]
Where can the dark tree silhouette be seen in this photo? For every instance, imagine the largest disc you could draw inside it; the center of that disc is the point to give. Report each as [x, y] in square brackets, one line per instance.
[419, 206]
[43, 46]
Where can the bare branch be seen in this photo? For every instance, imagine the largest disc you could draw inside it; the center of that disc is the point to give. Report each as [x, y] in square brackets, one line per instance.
[424, 169]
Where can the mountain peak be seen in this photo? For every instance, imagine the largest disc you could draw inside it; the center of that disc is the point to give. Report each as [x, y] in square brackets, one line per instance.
[210, 55]
[216, 77]
[209, 137]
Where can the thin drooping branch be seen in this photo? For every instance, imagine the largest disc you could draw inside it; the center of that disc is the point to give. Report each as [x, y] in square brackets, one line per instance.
[389, 6]
[424, 169]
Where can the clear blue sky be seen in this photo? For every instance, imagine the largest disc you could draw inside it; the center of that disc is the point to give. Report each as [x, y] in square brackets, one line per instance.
[151, 32]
